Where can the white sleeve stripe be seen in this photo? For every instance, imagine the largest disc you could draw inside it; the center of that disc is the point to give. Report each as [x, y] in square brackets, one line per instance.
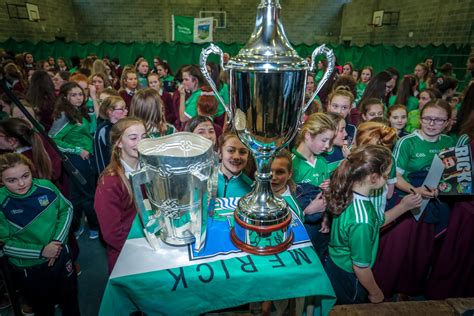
[356, 213]
[23, 253]
[361, 212]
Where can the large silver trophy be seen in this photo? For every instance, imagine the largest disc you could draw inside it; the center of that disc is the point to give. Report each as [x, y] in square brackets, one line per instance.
[267, 90]
[178, 174]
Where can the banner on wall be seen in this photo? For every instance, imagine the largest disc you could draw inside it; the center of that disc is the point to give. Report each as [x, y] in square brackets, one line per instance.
[192, 30]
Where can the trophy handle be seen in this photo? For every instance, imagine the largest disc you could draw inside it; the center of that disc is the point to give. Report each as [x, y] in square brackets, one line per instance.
[149, 222]
[213, 49]
[321, 50]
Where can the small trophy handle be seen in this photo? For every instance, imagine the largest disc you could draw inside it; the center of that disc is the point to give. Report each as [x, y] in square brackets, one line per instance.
[321, 50]
[149, 222]
[213, 49]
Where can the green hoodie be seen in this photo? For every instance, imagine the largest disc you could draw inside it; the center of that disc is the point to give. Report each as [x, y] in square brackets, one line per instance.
[31, 221]
[71, 137]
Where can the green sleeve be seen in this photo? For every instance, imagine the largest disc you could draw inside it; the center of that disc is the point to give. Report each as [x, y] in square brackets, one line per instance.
[392, 178]
[413, 121]
[293, 204]
[224, 93]
[65, 147]
[64, 217]
[402, 155]
[412, 104]
[191, 105]
[17, 249]
[319, 76]
[421, 86]
[360, 244]
[391, 101]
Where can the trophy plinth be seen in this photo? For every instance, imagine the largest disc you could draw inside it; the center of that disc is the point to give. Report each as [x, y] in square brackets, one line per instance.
[267, 85]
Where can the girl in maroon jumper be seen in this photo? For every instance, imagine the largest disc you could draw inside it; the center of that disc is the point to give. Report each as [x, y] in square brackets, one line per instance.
[155, 83]
[113, 197]
[128, 85]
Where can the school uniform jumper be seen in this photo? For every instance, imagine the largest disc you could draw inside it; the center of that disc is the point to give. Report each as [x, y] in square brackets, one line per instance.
[115, 215]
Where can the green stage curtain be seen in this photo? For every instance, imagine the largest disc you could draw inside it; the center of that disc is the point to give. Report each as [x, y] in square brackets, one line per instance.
[378, 56]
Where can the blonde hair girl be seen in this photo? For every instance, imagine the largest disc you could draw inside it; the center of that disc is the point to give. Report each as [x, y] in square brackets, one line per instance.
[148, 106]
[114, 198]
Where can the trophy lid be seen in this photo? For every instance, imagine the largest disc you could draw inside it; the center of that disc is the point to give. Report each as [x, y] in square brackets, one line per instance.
[268, 49]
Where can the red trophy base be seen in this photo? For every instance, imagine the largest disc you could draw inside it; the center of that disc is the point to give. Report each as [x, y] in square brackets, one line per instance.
[264, 230]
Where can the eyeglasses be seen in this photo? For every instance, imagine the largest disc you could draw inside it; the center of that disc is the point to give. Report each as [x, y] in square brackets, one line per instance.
[121, 109]
[434, 120]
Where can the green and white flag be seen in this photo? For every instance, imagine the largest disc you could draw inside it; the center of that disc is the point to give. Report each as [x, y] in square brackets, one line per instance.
[181, 281]
[192, 30]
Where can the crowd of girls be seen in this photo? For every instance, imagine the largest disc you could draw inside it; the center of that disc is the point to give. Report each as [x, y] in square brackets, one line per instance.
[356, 170]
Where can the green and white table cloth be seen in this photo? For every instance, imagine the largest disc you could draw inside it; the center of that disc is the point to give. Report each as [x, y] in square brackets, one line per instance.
[179, 281]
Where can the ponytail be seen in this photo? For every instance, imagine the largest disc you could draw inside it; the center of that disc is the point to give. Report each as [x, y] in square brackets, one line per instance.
[41, 160]
[339, 195]
[362, 162]
[26, 136]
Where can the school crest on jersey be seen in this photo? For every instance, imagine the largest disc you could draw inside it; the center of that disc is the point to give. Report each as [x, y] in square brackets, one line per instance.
[43, 200]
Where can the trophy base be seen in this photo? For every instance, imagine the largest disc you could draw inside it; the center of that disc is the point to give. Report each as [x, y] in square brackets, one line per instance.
[262, 240]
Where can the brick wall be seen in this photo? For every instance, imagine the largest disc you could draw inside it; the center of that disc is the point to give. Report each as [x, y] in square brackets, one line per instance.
[57, 21]
[431, 22]
[305, 21]
[109, 20]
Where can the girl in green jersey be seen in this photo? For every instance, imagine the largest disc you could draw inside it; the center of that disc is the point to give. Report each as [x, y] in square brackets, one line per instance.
[355, 228]
[232, 182]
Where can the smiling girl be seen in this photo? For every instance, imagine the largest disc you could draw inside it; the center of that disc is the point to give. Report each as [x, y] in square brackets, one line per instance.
[232, 182]
[113, 197]
[397, 116]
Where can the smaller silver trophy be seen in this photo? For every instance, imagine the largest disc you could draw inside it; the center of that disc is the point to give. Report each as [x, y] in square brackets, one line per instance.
[178, 172]
[267, 88]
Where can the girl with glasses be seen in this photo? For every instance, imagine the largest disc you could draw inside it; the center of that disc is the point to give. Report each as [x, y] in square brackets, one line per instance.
[112, 109]
[409, 246]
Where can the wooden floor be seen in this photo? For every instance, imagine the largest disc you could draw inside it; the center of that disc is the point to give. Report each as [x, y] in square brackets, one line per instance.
[457, 306]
